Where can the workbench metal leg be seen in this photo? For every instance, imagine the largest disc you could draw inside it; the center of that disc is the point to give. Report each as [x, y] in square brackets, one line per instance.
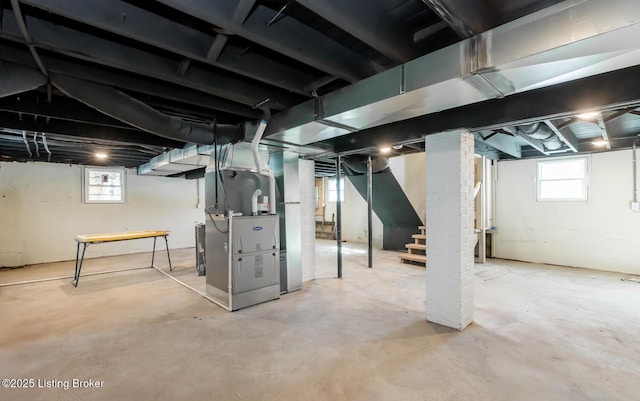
[166, 241]
[79, 263]
[153, 254]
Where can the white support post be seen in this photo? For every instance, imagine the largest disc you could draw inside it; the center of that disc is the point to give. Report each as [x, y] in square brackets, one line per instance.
[450, 228]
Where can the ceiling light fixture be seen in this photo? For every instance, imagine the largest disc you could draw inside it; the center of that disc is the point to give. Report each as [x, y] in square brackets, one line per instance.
[397, 147]
[100, 155]
[385, 149]
[600, 143]
[588, 115]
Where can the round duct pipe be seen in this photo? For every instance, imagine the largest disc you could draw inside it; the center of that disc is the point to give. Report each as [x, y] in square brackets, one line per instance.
[543, 133]
[358, 163]
[123, 107]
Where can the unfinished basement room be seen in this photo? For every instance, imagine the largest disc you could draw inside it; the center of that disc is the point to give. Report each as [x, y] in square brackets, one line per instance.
[320, 200]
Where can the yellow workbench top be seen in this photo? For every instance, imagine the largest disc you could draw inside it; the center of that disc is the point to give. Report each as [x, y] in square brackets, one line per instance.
[94, 238]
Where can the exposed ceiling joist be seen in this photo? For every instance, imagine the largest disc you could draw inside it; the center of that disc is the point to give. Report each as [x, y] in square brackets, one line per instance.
[466, 17]
[136, 84]
[369, 22]
[242, 11]
[566, 137]
[503, 143]
[618, 113]
[163, 33]
[90, 48]
[534, 143]
[61, 108]
[130, 136]
[605, 134]
[289, 37]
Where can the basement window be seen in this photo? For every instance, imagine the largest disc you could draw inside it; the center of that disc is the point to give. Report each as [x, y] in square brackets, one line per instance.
[562, 179]
[104, 185]
[332, 190]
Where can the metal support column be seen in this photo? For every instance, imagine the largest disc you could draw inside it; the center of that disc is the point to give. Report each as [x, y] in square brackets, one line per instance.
[482, 244]
[339, 216]
[370, 210]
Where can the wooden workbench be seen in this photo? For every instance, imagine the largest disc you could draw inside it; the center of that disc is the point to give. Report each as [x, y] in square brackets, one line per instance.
[90, 239]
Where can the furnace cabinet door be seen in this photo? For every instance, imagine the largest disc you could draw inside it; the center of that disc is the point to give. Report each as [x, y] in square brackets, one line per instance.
[255, 234]
[254, 271]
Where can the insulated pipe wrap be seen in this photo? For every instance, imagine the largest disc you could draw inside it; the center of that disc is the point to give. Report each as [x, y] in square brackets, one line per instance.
[123, 107]
[18, 79]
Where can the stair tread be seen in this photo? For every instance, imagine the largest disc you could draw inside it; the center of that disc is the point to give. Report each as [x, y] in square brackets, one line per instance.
[422, 228]
[415, 246]
[413, 257]
[419, 236]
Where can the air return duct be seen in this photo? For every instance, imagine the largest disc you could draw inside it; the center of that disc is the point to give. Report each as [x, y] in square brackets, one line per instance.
[571, 40]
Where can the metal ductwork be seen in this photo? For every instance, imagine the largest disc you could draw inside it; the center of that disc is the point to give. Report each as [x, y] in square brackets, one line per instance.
[543, 133]
[18, 79]
[358, 163]
[123, 107]
[568, 41]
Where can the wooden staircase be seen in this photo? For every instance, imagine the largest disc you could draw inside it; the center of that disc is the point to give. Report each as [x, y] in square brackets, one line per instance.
[416, 251]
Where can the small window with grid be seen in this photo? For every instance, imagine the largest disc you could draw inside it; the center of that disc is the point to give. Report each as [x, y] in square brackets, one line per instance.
[104, 185]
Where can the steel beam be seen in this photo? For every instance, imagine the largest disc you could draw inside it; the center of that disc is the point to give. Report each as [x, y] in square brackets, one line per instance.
[289, 37]
[466, 17]
[83, 46]
[369, 22]
[611, 90]
[169, 35]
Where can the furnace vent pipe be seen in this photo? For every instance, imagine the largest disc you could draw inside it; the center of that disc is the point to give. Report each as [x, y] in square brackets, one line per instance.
[18, 79]
[266, 115]
[254, 201]
[123, 107]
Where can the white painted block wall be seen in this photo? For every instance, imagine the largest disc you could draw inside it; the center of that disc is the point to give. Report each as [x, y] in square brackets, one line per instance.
[449, 228]
[602, 233]
[41, 212]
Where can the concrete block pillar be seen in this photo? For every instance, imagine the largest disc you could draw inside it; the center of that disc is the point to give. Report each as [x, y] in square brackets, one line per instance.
[308, 218]
[449, 222]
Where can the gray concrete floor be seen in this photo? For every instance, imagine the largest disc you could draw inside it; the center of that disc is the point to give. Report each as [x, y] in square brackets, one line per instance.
[540, 333]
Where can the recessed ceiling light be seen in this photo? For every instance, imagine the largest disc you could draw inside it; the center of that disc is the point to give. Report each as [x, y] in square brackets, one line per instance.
[101, 155]
[588, 115]
[385, 149]
[600, 143]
